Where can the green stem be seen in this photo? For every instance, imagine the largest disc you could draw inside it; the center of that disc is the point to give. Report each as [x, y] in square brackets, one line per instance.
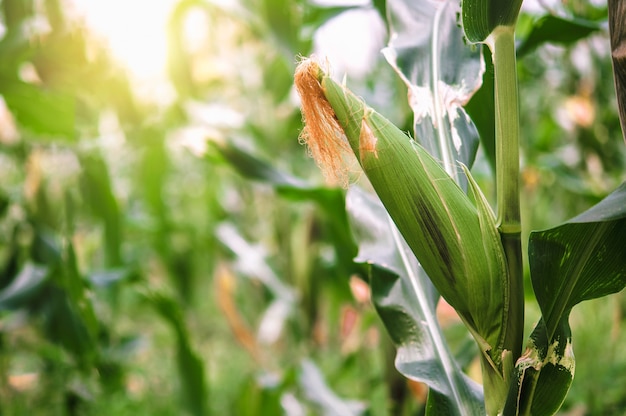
[502, 45]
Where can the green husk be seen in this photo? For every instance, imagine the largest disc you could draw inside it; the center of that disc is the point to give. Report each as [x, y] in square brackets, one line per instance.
[456, 243]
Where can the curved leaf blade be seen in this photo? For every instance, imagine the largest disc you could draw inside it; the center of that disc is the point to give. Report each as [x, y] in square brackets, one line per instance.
[193, 385]
[482, 17]
[406, 300]
[579, 260]
[330, 200]
[29, 281]
[441, 71]
[555, 29]
[251, 167]
[48, 114]
[318, 392]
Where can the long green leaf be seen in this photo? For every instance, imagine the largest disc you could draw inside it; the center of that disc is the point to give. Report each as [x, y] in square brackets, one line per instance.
[70, 318]
[543, 374]
[580, 260]
[190, 365]
[555, 29]
[406, 300]
[23, 287]
[252, 167]
[48, 114]
[442, 72]
[97, 189]
[322, 396]
[330, 200]
[76, 288]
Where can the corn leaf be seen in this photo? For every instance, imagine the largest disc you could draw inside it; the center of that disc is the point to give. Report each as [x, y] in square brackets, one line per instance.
[27, 284]
[193, 385]
[70, 318]
[617, 28]
[406, 300]
[441, 71]
[324, 399]
[555, 29]
[49, 114]
[580, 260]
[252, 167]
[330, 200]
[482, 17]
[98, 193]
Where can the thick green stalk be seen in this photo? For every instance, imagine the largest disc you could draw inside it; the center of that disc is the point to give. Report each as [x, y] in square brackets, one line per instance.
[502, 45]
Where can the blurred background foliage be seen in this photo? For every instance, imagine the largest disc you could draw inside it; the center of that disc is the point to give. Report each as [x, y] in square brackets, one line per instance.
[167, 246]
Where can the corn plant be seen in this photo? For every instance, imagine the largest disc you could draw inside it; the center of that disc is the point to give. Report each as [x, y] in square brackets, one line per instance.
[432, 233]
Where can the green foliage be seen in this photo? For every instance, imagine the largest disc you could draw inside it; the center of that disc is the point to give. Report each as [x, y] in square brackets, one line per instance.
[23, 287]
[427, 50]
[190, 366]
[53, 116]
[481, 17]
[567, 263]
[139, 277]
[435, 217]
[406, 302]
[588, 247]
[558, 30]
[125, 260]
[591, 266]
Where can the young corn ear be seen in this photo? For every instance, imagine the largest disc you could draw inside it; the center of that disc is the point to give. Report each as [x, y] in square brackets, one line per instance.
[455, 241]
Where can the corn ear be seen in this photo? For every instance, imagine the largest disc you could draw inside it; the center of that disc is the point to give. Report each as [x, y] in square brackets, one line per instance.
[456, 243]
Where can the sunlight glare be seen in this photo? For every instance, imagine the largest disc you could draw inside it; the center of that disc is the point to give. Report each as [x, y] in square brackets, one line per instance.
[134, 30]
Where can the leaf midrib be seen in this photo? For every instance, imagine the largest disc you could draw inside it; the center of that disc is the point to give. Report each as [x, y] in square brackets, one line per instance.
[431, 321]
[442, 128]
[562, 301]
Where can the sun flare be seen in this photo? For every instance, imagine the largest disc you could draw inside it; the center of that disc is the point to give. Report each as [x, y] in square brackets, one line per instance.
[134, 30]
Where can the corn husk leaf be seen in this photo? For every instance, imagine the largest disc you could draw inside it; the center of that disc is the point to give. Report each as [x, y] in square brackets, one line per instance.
[439, 222]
